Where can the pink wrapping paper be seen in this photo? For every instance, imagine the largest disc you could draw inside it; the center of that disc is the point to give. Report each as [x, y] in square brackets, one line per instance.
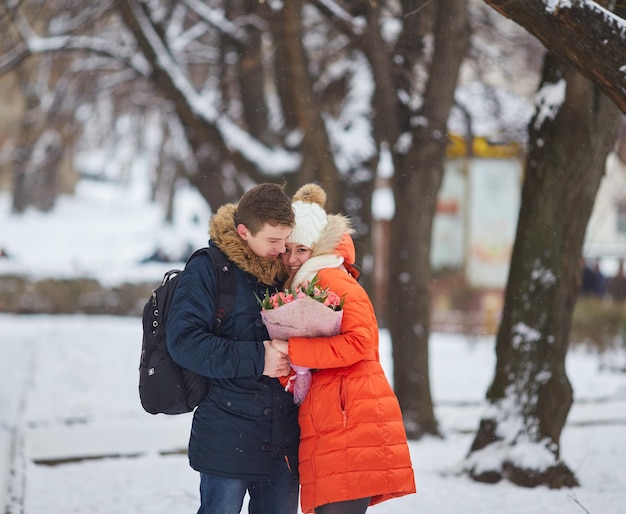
[303, 317]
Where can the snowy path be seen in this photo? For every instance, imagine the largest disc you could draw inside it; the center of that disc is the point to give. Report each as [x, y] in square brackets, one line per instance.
[16, 370]
[74, 438]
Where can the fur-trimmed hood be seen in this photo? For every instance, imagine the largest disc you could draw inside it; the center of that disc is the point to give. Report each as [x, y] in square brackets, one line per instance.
[335, 249]
[223, 234]
[332, 237]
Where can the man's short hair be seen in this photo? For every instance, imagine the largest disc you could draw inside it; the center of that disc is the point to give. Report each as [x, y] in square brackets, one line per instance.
[265, 203]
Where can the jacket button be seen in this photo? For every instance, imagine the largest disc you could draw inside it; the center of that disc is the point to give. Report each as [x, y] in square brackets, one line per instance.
[258, 322]
[265, 447]
[267, 412]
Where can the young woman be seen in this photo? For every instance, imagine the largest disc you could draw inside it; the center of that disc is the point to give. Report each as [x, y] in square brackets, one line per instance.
[353, 449]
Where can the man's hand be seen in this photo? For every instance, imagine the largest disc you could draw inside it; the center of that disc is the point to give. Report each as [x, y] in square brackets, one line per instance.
[276, 362]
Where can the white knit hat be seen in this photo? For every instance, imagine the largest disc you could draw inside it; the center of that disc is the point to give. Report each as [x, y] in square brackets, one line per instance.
[311, 219]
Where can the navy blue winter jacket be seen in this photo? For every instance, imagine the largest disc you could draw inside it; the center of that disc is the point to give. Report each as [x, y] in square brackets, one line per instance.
[246, 419]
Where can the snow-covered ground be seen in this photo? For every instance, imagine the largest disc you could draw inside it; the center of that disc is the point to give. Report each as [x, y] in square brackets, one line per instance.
[103, 232]
[73, 436]
[77, 441]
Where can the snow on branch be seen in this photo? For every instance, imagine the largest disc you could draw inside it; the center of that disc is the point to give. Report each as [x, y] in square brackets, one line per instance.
[33, 44]
[168, 64]
[217, 19]
[269, 160]
[548, 101]
[337, 12]
[590, 37]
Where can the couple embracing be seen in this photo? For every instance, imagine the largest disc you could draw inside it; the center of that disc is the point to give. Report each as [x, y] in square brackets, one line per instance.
[344, 447]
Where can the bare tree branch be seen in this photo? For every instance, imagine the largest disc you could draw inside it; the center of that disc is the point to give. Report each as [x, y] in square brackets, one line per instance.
[590, 37]
[32, 43]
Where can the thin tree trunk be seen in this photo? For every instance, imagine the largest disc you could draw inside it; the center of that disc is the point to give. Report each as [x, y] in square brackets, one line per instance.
[251, 79]
[316, 143]
[417, 179]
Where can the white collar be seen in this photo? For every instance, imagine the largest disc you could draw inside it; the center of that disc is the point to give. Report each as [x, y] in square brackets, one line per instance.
[310, 268]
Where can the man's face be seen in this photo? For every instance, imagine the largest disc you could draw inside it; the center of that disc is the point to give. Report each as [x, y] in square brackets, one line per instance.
[269, 242]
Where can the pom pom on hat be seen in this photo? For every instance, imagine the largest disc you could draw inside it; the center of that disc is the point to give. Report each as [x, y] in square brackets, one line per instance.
[311, 219]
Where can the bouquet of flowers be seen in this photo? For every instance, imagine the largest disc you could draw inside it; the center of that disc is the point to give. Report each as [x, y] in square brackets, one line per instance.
[307, 311]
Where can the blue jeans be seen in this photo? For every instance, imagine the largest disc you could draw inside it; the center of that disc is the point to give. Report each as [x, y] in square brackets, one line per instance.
[224, 495]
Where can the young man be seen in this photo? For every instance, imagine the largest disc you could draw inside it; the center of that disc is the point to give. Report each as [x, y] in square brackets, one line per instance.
[244, 435]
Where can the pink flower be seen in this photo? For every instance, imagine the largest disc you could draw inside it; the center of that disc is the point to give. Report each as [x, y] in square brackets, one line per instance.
[307, 311]
[312, 290]
[333, 301]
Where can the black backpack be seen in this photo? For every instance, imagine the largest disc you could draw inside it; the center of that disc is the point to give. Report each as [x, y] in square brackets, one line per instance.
[164, 386]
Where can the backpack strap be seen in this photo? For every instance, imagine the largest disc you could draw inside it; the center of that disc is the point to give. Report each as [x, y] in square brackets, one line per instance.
[225, 283]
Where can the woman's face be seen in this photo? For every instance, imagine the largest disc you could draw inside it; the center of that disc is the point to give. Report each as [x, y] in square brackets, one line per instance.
[294, 256]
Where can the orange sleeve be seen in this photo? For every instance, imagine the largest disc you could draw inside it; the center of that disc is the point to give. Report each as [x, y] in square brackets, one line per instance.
[358, 339]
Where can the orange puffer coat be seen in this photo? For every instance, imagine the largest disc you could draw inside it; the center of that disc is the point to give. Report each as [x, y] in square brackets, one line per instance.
[352, 443]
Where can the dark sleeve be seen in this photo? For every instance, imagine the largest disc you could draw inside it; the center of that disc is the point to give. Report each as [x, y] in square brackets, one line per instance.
[189, 329]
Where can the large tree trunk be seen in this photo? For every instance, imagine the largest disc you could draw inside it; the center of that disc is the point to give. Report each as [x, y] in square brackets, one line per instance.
[531, 396]
[417, 179]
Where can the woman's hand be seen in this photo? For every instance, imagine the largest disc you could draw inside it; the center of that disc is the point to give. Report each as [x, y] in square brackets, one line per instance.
[280, 345]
